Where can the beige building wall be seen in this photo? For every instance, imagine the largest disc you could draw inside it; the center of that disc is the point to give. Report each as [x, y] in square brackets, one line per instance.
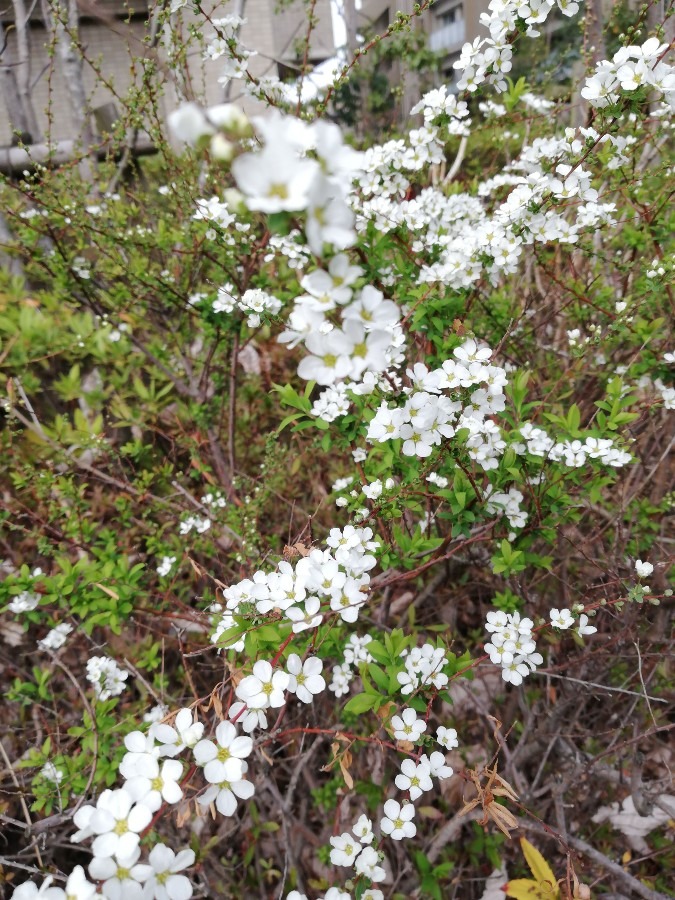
[116, 49]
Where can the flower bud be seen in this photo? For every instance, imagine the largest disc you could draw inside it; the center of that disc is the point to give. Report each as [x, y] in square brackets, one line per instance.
[221, 148]
[230, 118]
[188, 123]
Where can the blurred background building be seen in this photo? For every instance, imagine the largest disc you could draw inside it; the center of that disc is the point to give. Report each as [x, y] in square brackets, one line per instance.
[113, 34]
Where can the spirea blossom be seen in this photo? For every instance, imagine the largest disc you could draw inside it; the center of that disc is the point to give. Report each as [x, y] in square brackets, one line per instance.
[643, 569]
[397, 821]
[407, 727]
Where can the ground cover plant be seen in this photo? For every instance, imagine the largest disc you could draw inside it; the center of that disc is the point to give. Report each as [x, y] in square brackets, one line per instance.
[338, 492]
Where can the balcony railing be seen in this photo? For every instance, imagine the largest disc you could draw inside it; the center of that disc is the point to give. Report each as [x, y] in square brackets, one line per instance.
[447, 37]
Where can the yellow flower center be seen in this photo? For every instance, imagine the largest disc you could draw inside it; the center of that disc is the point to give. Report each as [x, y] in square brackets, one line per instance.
[121, 827]
[278, 190]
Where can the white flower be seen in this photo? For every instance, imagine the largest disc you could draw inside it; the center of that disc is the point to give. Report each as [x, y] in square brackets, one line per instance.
[29, 891]
[471, 352]
[141, 751]
[156, 714]
[368, 864]
[225, 793]
[24, 602]
[436, 764]
[153, 785]
[305, 679]
[309, 617]
[222, 761]
[165, 883]
[77, 886]
[561, 618]
[188, 123]
[342, 675]
[514, 671]
[122, 876]
[165, 565]
[185, 732]
[117, 823]
[407, 727]
[415, 778]
[264, 687]
[56, 638]
[584, 628]
[51, 773]
[643, 569]
[363, 829]
[447, 737]
[397, 821]
[249, 719]
[345, 850]
[275, 179]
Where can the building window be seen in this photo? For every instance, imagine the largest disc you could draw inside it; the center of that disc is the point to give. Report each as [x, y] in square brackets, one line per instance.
[448, 29]
[456, 14]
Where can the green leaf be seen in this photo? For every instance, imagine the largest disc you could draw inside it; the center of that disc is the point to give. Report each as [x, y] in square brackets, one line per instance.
[360, 703]
[379, 677]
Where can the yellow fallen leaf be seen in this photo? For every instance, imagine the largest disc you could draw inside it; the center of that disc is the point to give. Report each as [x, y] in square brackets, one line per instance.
[541, 871]
[524, 889]
[543, 884]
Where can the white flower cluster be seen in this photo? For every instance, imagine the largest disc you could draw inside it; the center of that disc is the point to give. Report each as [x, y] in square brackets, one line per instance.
[631, 68]
[397, 822]
[292, 247]
[562, 619]
[335, 579]
[427, 417]
[571, 453]
[666, 392]
[56, 638]
[283, 177]
[215, 499]
[489, 59]
[467, 241]
[107, 678]
[26, 601]
[423, 667]
[384, 165]
[512, 645]
[537, 104]
[356, 652]
[225, 44]
[358, 853]
[253, 303]
[362, 342]
[196, 523]
[116, 823]
[265, 689]
[507, 505]
[336, 893]
[165, 565]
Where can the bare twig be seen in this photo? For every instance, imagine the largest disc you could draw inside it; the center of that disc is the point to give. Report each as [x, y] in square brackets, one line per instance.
[22, 801]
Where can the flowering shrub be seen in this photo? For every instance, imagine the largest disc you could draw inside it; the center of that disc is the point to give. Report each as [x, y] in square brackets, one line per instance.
[309, 422]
